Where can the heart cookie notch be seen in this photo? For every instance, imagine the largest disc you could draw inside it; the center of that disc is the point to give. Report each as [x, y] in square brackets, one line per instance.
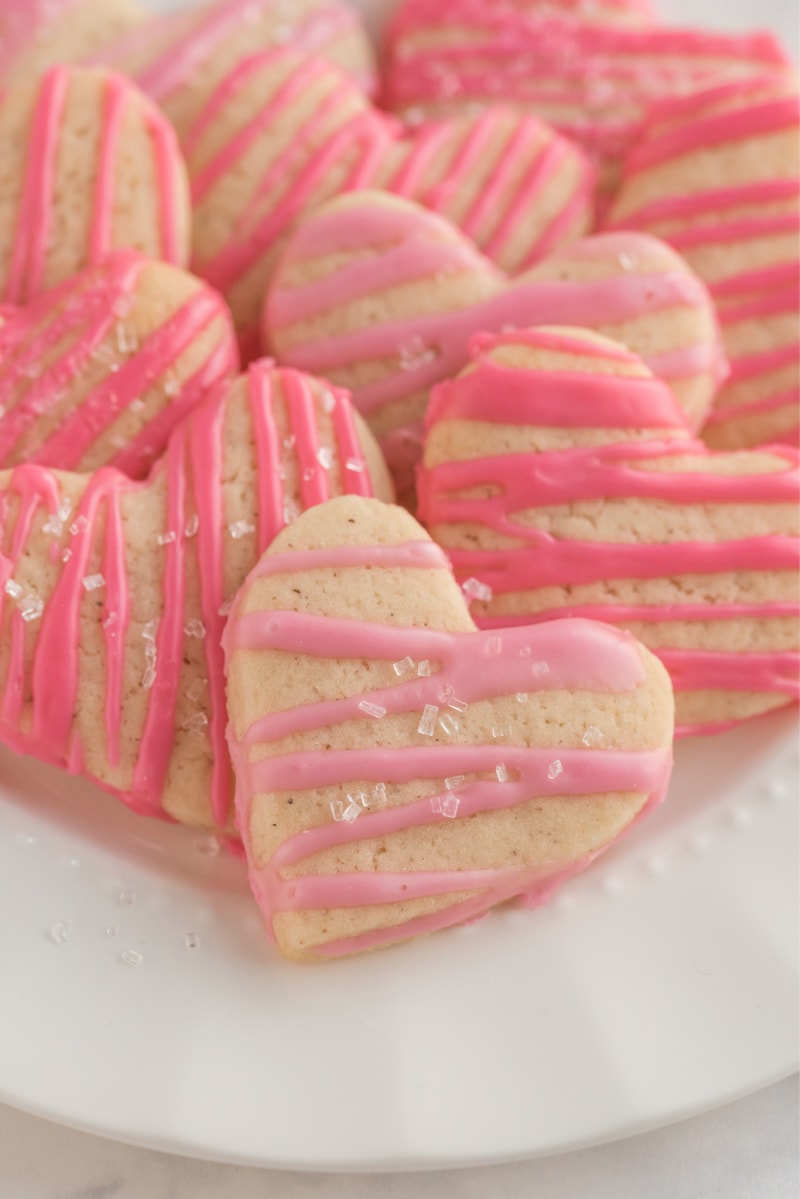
[562, 481]
[399, 772]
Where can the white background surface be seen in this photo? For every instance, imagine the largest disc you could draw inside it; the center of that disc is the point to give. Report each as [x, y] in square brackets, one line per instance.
[748, 1150]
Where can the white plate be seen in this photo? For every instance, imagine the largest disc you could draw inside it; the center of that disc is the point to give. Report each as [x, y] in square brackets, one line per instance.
[661, 983]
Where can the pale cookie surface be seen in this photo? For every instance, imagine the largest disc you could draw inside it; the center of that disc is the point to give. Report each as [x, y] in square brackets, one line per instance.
[718, 177]
[282, 134]
[399, 772]
[114, 594]
[181, 58]
[88, 165]
[37, 34]
[560, 479]
[590, 78]
[99, 370]
[383, 297]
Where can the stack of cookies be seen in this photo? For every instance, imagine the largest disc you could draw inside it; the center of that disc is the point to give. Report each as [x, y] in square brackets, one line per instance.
[392, 462]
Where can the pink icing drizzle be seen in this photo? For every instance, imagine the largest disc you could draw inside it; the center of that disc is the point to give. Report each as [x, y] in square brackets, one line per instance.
[602, 75]
[511, 484]
[191, 474]
[84, 313]
[526, 301]
[366, 139]
[32, 240]
[710, 217]
[579, 655]
[186, 55]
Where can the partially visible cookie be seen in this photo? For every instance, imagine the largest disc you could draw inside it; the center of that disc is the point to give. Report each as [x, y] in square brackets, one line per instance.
[591, 78]
[37, 34]
[384, 298]
[114, 594]
[89, 165]
[180, 59]
[561, 481]
[99, 370]
[282, 134]
[717, 175]
[399, 772]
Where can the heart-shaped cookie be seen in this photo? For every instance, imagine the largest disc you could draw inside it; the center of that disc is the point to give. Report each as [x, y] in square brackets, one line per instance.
[37, 34]
[99, 370]
[282, 134]
[89, 165]
[179, 59]
[561, 481]
[113, 593]
[383, 298]
[717, 175]
[590, 79]
[399, 772]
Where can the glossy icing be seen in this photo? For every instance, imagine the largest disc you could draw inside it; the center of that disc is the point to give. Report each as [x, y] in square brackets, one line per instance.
[85, 318]
[592, 80]
[580, 656]
[25, 276]
[493, 493]
[696, 219]
[411, 247]
[44, 679]
[347, 145]
[177, 50]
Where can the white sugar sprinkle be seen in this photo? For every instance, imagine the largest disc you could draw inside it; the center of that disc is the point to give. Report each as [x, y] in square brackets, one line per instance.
[404, 667]
[453, 783]
[379, 794]
[556, 768]
[450, 805]
[474, 589]
[502, 773]
[196, 723]
[449, 724]
[540, 669]
[522, 697]
[370, 709]
[192, 525]
[424, 669]
[328, 401]
[126, 897]
[290, 511]
[225, 608]
[61, 931]
[240, 528]
[309, 473]
[494, 645]
[31, 608]
[110, 621]
[458, 705]
[131, 957]
[351, 812]
[167, 538]
[427, 724]
[325, 457]
[500, 731]
[78, 526]
[191, 941]
[93, 582]
[194, 628]
[357, 465]
[592, 736]
[13, 589]
[337, 809]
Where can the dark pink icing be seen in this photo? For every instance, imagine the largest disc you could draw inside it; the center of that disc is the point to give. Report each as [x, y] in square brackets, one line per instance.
[191, 475]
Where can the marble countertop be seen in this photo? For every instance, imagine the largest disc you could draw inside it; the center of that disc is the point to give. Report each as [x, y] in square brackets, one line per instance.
[746, 1150]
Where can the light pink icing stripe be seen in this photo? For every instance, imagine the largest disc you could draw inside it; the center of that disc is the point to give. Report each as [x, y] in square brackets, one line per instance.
[35, 209]
[187, 55]
[566, 654]
[414, 555]
[100, 231]
[116, 621]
